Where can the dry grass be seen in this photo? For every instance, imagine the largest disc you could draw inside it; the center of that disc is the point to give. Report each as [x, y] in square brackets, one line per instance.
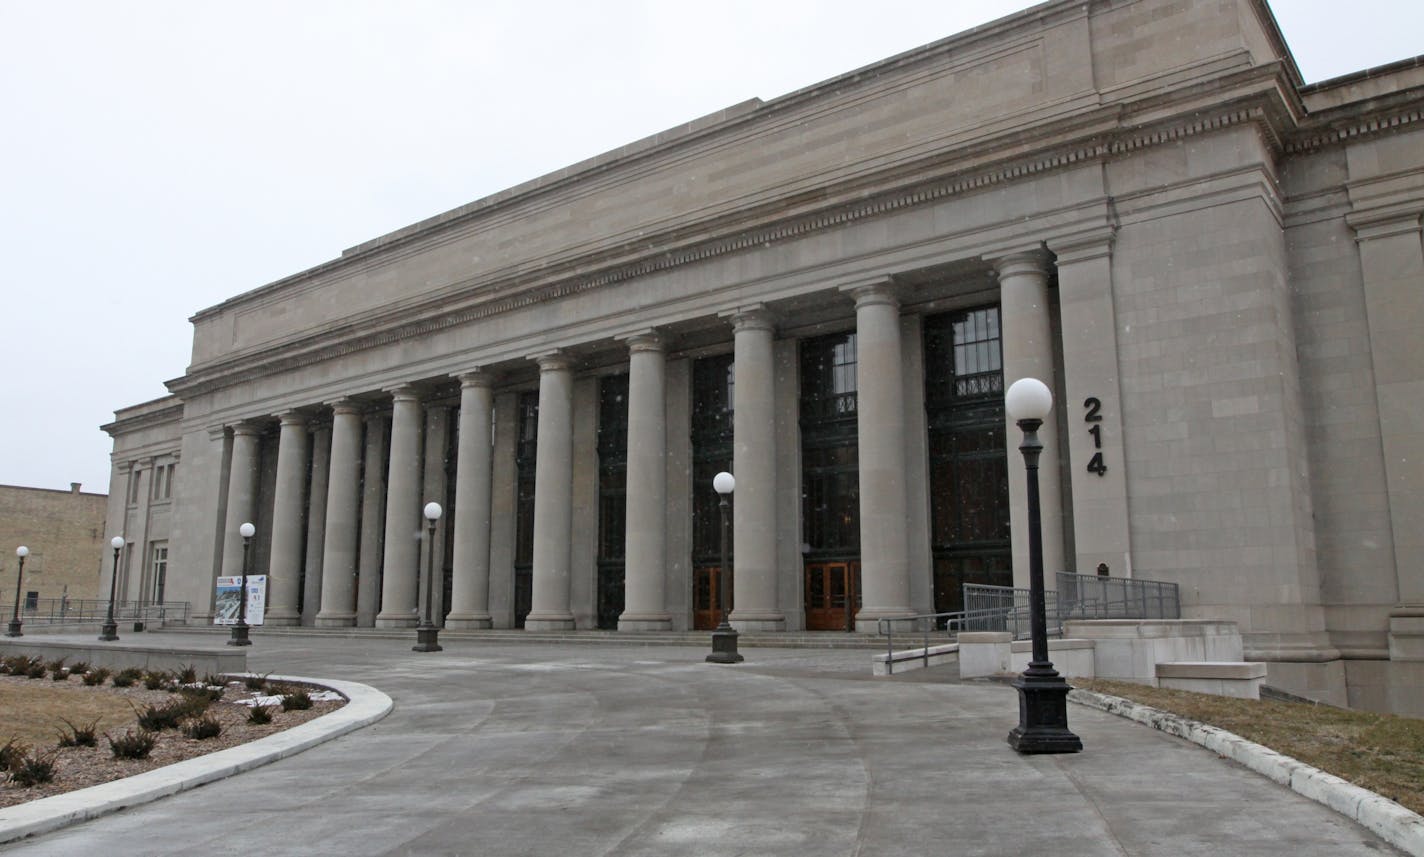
[35, 710]
[1381, 752]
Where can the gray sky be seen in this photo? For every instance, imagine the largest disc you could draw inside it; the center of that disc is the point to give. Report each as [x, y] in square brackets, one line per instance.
[159, 157]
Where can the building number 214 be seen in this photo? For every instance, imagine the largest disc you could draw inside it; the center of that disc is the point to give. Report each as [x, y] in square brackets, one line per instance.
[1094, 419]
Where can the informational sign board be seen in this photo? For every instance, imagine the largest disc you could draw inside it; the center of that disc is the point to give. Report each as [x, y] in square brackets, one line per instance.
[225, 608]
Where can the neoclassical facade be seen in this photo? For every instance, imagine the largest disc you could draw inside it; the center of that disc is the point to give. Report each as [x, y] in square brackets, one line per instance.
[1216, 267]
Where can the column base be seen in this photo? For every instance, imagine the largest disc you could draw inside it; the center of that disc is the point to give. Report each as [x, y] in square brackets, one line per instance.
[757, 621]
[398, 620]
[469, 622]
[1406, 633]
[549, 622]
[644, 622]
[288, 619]
[335, 620]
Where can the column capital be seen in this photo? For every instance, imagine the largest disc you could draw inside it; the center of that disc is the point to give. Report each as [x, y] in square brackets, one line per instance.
[554, 360]
[246, 427]
[1020, 263]
[647, 339]
[123, 467]
[403, 393]
[292, 417]
[477, 376]
[750, 317]
[869, 292]
[1384, 222]
[1083, 247]
[348, 406]
[145, 462]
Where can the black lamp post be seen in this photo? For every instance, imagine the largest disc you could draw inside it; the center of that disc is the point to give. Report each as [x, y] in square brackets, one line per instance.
[427, 636]
[724, 639]
[240, 631]
[110, 630]
[1043, 694]
[15, 623]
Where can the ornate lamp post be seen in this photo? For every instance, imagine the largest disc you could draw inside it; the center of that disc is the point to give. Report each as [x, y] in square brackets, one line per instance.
[1043, 694]
[110, 629]
[15, 622]
[427, 636]
[724, 639]
[240, 631]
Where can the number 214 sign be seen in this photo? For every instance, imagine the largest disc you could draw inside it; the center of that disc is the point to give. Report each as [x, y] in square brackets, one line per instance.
[1094, 419]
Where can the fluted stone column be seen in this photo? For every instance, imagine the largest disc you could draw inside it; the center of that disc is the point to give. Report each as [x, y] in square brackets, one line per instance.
[754, 465]
[1027, 327]
[880, 423]
[645, 528]
[241, 494]
[469, 588]
[316, 522]
[284, 569]
[553, 497]
[373, 516]
[338, 561]
[403, 522]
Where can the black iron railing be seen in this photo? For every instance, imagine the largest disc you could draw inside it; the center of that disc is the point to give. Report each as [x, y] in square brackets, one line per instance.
[88, 611]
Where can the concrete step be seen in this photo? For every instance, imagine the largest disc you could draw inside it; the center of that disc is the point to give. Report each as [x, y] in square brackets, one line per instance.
[786, 640]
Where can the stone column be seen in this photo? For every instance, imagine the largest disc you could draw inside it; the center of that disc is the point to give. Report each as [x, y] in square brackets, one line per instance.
[338, 561]
[373, 512]
[469, 589]
[316, 522]
[431, 554]
[241, 494]
[1392, 265]
[1092, 407]
[553, 497]
[754, 464]
[403, 521]
[880, 423]
[284, 569]
[645, 533]
[1027, 327]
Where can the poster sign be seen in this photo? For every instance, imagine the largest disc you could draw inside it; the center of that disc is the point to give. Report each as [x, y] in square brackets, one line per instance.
[229, 591]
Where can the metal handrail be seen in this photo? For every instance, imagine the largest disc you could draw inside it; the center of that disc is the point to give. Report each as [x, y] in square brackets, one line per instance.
[87, 611]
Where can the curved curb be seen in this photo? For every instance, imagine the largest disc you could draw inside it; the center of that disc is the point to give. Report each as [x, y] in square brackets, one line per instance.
[1383, 817]
[365, 706]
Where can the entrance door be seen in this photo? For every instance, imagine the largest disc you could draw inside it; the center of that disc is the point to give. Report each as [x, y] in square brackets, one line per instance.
[832, 595]
[610, 595]
[706, 597]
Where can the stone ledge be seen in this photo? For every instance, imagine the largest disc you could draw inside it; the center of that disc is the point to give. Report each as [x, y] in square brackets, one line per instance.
[1396, 825]
[1230, 670]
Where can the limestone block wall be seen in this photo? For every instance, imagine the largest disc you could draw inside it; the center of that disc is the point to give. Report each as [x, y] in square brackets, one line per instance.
[63, 530]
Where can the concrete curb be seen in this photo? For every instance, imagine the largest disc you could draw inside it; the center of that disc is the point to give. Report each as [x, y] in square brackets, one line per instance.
[366, 705]
[1381, 816]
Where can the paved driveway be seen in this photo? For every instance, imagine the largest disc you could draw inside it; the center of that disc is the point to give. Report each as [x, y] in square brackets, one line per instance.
[628, 750]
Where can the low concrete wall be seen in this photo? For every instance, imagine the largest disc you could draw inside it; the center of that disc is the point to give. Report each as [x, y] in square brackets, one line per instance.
[1070, 657]
[986, 653]
[1131, 649]
[1241, 679]
[893, 663]
[123, 653]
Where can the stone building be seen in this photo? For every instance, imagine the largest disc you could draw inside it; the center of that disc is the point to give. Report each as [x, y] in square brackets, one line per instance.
[1216, 267]
[64, 531]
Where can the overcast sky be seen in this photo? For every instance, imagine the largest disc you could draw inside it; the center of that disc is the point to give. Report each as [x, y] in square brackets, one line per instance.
[159, 157]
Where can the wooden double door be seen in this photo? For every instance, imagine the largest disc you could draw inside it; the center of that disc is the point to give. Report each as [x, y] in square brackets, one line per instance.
[832, 595]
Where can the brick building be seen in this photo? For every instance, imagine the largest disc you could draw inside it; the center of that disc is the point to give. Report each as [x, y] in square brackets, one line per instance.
[64, 531]
[1215, 266]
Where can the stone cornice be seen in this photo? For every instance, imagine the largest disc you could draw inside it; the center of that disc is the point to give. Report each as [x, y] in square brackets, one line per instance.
[1352, 126]
[1254, 96]
[169, 409]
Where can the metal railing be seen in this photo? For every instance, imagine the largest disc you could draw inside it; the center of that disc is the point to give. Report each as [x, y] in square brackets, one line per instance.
[90, 611]
[1088, 596]
[1006, 608]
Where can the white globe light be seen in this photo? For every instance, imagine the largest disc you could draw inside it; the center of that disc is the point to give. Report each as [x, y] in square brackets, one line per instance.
[433, 512]
[116, 542]
[22, 551]
[247, 531]
[724, 483]
[1028, 399]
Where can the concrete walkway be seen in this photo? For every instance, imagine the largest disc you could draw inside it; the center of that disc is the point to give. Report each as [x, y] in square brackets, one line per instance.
[513, 749]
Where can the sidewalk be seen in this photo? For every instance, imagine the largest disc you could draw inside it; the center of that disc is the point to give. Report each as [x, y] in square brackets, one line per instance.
[511, 749]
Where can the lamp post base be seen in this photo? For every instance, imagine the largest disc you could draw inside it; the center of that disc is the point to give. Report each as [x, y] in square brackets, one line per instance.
[14, 629]
[239, 636]
[724, 646]
[109, 632]
[427, 639]
[1043, 717]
